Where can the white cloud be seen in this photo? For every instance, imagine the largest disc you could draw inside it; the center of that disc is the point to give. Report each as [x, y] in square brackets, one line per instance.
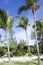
[21, 35]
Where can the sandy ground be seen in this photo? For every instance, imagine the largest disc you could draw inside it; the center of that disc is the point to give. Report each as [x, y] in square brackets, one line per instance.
[20, 59]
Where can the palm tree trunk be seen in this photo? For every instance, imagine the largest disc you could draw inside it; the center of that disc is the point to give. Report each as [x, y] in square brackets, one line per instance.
[7, 45]
[41, 35]
[27, 41]
[39, 61]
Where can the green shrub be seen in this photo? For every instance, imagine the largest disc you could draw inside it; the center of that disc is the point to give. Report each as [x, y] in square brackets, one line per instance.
[2, 51]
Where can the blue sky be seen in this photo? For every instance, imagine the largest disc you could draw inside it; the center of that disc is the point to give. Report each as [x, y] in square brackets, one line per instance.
[12, 7]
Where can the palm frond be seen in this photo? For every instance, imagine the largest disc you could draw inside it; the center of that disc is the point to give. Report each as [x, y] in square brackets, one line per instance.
[39, 24]
[24, 18]
[18, 26]
[4, 19]
[16, 17]
[22, 8]
[28, 5]
[10, 22]
[22, 22]
[31, 1]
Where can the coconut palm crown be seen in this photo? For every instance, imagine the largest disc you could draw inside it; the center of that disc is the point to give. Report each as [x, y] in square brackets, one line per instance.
[23, 22]
[5, 20]
[30, 4]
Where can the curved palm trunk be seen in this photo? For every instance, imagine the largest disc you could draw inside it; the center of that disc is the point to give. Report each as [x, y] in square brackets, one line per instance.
[39, 61]
[7, 45]
[27, 41]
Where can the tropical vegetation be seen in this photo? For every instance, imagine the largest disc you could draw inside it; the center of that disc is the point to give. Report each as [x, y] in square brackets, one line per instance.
[10, 47]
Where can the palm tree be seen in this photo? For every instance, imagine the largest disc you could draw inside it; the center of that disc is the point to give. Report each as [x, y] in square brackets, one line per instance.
[23, 23]
[33, 5]
[5, 23]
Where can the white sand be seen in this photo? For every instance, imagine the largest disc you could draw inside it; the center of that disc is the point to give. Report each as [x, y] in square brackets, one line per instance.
[20, 59]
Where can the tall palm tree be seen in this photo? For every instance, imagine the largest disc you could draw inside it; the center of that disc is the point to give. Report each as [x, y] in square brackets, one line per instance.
[23, 23]
[5, 23]
[32, 5]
